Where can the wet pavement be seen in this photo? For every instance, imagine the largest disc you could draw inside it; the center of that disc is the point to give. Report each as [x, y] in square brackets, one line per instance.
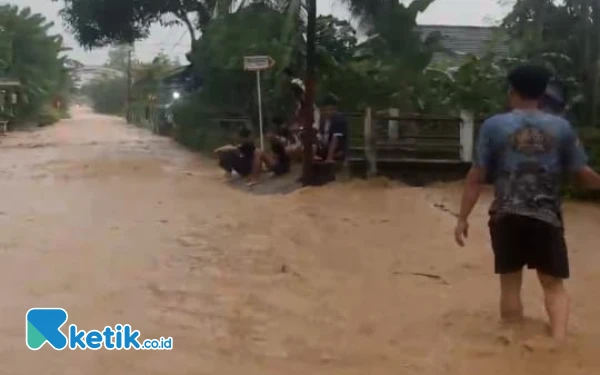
[119, 226]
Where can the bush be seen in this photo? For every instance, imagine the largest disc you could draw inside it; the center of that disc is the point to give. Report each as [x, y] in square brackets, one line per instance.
[201, 130]
[48, 115]
[108, 96]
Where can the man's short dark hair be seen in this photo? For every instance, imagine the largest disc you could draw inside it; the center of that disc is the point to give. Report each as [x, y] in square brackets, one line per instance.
[288, 72]
[529, 81]
[244, 133]
[278, 121]
[330, 101]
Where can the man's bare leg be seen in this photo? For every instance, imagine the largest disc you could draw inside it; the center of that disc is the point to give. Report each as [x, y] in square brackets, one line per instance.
[557, 303]
[268, 160]
[511, 307]
[254, 177]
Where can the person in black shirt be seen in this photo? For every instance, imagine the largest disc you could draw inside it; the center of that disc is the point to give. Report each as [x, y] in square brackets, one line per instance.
[333, 134]
[238, 158]
[247, 160]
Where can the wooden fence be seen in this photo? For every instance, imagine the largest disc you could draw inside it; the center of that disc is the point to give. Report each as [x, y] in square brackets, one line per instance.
[393, 138]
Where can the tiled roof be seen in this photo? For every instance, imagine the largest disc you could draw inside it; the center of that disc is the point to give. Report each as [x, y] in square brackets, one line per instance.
[463, 40]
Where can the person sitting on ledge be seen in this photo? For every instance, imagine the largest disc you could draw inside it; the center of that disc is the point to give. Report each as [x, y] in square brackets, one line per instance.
[238, 158]
[247, 160]
[278, 161]
[332, 141]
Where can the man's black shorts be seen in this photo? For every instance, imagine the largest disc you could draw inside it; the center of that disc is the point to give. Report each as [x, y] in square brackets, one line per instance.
[520, 241]
[234, 161]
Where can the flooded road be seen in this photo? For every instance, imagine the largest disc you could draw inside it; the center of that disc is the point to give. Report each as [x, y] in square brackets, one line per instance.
[118, 226]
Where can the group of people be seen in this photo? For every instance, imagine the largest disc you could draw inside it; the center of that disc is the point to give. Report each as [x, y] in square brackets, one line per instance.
[526, 153]
[285, 146]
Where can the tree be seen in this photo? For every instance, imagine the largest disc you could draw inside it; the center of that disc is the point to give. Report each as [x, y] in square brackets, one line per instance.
[34, 57]
[108, 94]
[97, 23]
[118, 58]
[540, 28]
[218, 58]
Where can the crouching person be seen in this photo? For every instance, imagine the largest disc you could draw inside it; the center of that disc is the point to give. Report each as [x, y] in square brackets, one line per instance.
[240, 158]
[248, 161]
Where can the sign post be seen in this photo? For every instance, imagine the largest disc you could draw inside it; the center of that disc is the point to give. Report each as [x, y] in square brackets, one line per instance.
[258, 64]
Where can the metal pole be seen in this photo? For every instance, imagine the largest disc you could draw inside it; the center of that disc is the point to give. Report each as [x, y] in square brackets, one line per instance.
[260, 116]
[128, 114]
[308, 135]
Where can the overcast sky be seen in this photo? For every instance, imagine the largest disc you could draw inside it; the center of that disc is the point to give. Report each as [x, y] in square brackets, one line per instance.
[175, 41]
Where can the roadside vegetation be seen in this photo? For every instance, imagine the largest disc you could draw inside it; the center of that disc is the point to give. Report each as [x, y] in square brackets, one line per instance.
[386, 63]
[36, 59]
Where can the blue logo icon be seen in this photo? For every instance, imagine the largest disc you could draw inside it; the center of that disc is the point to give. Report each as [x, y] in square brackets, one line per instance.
[43, 326]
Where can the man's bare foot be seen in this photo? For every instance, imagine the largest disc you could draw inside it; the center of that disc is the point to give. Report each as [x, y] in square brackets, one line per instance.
[543, 344]
[506, 337]
[252, 183]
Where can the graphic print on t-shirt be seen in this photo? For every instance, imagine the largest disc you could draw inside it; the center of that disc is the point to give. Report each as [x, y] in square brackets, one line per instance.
[528, 153]
[531, 141]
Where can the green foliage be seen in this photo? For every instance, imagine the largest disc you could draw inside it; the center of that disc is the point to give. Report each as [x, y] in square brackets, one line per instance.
[388, 67]
[32, 56]
[48, 115]
[99, 23]
[199, 129]
[147, 77]
[218, 60]
[379, 72]
[569, 28]
[108, 95]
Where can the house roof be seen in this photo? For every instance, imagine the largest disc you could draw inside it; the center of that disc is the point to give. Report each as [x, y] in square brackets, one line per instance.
[464, 40]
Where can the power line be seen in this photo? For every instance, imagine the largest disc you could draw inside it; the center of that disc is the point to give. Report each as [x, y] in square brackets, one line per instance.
[179, 40]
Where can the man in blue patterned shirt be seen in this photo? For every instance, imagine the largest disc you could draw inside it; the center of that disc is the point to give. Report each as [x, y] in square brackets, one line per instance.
[527, 153]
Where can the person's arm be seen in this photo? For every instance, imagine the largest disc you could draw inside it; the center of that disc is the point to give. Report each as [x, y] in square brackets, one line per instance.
[576, 162]
[474, 183]
[339, 130]
[224, 149]
[332, 147]
[588, 178]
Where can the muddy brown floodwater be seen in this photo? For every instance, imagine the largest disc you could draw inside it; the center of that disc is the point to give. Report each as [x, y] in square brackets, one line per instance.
[119, 226]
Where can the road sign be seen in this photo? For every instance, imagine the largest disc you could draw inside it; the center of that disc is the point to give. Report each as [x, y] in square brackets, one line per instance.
[258, 63]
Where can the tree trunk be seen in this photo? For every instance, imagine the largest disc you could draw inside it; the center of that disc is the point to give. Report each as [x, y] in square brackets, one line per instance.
[594, 34]
[308, 134]
[188, 23]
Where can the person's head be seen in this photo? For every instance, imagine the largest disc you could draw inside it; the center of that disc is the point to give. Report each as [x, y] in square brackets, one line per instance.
[329, 106]
[244, 134]
[289, 72]
[528, 84]
[554, 99]
[278, 122]
[298, 88]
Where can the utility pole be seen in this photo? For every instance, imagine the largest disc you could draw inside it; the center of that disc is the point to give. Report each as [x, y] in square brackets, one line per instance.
[308, 135]
[129, 53]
